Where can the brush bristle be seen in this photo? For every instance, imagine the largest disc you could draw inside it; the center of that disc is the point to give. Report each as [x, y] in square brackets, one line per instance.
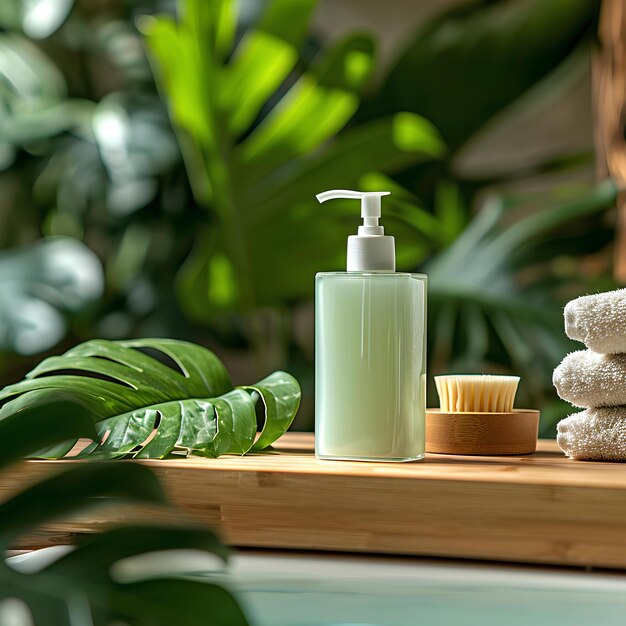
[476, 393]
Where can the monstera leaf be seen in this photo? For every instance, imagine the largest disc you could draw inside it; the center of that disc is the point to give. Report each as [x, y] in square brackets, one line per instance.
[144, 407]
[85, 585]
[90, 572]
[49, 594]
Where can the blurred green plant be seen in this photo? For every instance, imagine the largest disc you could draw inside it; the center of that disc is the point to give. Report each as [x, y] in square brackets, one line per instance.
[38, 284]
[469, 63]
[256, 163]
[85, 585]
[37, 18]
[146, 408]
[86, 150]
[33, 99]
[496, 293]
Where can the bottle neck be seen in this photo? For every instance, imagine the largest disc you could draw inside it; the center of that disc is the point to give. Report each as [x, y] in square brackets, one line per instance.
[371, 253]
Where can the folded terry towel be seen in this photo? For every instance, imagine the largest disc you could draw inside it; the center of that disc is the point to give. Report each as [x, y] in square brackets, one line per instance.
[594, 434]
[586, 378]
[599, 321]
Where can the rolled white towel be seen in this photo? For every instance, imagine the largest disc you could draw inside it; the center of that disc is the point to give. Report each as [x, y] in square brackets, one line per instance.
[599, 321]
[594, 434]
[586, 378]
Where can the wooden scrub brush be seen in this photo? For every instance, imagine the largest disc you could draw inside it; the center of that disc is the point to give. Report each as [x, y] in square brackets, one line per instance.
[477, 417]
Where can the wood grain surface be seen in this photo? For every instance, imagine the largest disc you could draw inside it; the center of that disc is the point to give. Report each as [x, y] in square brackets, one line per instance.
[541, 508]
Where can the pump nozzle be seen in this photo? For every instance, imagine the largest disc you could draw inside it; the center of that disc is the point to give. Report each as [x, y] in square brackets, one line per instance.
[370, 207]
[370, 250]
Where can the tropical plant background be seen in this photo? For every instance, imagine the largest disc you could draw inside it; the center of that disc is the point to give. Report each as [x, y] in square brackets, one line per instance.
[158, 162]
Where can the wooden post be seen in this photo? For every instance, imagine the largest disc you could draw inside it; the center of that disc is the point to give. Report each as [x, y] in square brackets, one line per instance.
[609, 92]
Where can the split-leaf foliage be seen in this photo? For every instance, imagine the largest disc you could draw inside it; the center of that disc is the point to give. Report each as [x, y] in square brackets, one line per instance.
[84, 585]
[149, 398]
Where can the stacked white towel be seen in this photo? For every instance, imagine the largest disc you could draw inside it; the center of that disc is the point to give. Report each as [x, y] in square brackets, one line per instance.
[598, 321]
[589, 379]
[595, 379]
[594, 434]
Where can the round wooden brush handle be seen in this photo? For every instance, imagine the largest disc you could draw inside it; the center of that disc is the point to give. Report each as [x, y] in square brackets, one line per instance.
[482, 433]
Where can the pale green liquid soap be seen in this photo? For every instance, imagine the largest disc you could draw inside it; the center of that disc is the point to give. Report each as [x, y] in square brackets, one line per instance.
[370, 367]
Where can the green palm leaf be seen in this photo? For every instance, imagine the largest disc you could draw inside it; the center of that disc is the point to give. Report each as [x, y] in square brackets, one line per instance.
[260, 134]
[485, 313]
[145, 408]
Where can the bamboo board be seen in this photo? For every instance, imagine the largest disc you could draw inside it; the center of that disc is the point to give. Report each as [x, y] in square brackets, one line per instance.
[541, 508]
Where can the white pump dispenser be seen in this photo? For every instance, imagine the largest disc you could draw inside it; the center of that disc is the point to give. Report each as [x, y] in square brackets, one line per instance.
[371, 250]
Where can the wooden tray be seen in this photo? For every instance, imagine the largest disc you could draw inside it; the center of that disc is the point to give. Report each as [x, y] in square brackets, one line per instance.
[541, 508]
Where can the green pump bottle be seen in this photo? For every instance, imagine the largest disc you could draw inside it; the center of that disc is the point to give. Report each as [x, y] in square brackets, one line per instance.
[370, 349]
